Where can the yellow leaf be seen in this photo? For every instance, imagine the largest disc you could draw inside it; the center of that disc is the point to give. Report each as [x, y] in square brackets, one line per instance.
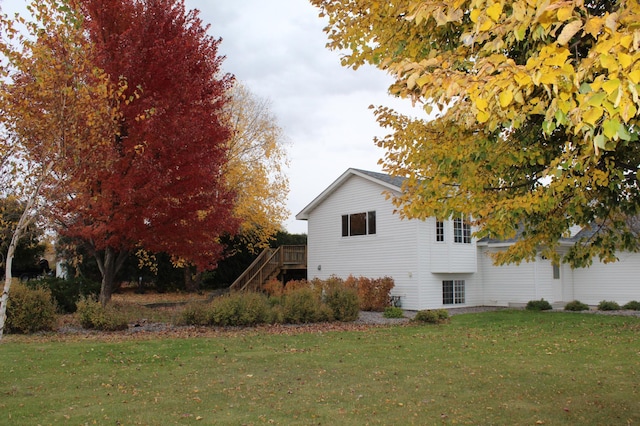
[634, 76]
[548, 77]
[609, 62]
[628, 112]
[610, 85]
[474, 15]
[559, 57]
[506, 96]
[424, 79]
[592, 115]
[564, 13]
[593, 26]
[626, 41]
[495, 11]
[486, 25]
[569, 31]
[482, 116]
[522, 79]
[519, 98]
[481, 104]
[625, 60]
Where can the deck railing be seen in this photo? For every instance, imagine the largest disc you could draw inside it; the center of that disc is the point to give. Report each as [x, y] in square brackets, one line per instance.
[269, 262]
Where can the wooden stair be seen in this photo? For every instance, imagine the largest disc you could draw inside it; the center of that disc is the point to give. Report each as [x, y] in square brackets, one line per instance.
[269, 264]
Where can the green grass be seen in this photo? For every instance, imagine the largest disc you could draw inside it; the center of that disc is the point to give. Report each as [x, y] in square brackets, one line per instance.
[509, 367]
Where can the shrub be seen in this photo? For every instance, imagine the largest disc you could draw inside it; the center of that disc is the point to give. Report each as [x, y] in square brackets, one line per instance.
[393, 312]
[273, 287]
[608, 305]
[435, 316]
[293, 285]
[372, 293]
[67, 292]
[303, 306]
[30, 310]
[241, 309]
[93, 315]
[576, 305]
[196, 313]
[343, 303]
[538, 305]
[634, 305]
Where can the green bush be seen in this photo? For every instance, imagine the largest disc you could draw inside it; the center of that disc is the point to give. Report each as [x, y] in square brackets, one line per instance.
[343, 302]
[196, 313]
[303, 306]
[634, 305]
[435, 316]
[393, 312]
[241, 309]
[608, 305]
[30, 310]
[538, 305]
[67, 292]
[92, 315]
[576, 305]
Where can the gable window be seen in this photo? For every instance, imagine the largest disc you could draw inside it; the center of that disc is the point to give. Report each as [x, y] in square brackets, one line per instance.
[359, 224]
[439, 231]
[461, 231]
[452, 292]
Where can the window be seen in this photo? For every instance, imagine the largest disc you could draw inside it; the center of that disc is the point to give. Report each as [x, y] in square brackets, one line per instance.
[556, 272]
[461, 231]
[452, 292]
[371, 223]
[439, 231]
[359, 224]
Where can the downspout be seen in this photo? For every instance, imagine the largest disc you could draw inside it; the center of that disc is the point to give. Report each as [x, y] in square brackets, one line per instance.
[535, 278]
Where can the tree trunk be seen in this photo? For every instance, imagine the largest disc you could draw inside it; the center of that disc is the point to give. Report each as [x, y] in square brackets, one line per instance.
[28, 215]
[109, 266]
[191, 281]
[7, 280]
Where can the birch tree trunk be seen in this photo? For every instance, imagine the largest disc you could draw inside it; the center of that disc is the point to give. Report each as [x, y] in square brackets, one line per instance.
[27, 216]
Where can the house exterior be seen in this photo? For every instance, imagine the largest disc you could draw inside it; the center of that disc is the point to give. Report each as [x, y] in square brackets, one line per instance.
[353, 230]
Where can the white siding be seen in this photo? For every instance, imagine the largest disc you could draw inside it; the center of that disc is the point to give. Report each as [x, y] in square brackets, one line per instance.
[407, 251]
[617, 281]
[392, 251]
[449, 256]
[518, 284]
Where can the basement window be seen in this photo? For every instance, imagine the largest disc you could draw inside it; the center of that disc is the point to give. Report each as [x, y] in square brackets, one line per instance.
[453, 292]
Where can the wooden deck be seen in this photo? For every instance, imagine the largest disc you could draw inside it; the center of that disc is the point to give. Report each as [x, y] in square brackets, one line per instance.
[269, 264]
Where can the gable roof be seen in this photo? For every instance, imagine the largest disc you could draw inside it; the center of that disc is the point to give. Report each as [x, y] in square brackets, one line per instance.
[393, 183]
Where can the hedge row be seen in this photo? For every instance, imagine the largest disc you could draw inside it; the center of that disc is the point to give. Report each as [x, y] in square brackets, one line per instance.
[373, 293]
[300, 306]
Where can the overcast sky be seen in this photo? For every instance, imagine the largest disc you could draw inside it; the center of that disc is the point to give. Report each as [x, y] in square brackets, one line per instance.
[277, 49]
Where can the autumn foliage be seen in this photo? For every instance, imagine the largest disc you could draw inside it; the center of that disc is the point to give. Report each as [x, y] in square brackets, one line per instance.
[163, 189]
[373, 293]
[534, 114]
[161, 185]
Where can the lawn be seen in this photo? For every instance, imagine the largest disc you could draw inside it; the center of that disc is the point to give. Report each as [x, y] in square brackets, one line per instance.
[506, 367]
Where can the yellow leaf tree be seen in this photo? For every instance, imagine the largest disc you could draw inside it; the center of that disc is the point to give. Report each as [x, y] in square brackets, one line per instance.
[56, 111]
[256, 165]
[537, 114]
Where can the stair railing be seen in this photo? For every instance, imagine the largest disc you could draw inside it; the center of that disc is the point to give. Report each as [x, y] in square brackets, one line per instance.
[259, 270]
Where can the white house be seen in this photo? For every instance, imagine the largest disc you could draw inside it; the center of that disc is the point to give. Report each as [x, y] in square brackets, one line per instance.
[352, 230]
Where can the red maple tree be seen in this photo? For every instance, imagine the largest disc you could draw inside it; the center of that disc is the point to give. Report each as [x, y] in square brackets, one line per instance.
[163, 189]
